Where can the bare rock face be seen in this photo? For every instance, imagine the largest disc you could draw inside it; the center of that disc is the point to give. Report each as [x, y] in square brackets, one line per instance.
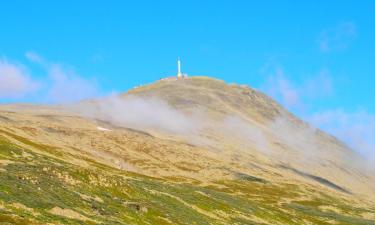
[185, 151]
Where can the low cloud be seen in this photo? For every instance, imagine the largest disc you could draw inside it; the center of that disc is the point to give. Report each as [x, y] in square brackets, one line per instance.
[318, 86]
[154, 114]
[15, 82]
[357, 129]
[337, 38]
[293, 95]
[63, 84]
[281, 88]
[243, 131]
[300, 141]
[140, 113]
[57, 83]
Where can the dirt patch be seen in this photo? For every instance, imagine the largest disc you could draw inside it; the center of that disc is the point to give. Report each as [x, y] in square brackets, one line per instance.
[86, 197]
[4, 162]
[328, 208]
[21, 206]
[368, 216]
[68, 213]
[18, 205]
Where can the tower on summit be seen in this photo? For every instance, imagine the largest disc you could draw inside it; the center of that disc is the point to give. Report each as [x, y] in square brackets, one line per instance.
[179, 73]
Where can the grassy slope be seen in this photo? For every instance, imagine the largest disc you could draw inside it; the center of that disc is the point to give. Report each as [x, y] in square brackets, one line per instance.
[108, 196]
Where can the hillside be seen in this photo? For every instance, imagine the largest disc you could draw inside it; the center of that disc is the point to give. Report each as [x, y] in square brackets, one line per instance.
[190, 151]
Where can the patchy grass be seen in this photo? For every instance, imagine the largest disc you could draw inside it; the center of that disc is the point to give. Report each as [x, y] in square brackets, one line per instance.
[104, 195]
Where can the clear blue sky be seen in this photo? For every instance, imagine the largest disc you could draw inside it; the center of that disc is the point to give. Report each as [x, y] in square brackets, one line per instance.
[124, 44]
[313, 56]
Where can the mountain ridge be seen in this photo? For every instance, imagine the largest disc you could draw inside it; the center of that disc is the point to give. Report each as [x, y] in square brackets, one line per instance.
[183, 151]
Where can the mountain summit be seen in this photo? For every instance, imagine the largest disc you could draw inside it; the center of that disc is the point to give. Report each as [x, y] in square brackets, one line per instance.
[179, 151]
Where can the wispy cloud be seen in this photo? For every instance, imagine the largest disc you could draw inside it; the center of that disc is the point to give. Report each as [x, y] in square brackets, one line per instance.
[34, 57]
[154, 114]
[15, 82]
[57, 82]
[337, 38]
[63, 84]
[293, 94]
[139, 113]
[357, 129]
[279, 87]
[319, 85]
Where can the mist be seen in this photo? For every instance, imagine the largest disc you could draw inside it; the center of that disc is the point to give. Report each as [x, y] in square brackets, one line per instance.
[139, 113]
[196, 127]
[281, 139]
[356, 129]
[153, 114]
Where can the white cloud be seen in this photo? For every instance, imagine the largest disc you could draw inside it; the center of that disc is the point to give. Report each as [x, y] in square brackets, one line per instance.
[242, 131]
[65, 86]
[293, 94]
[34, 57]
[281, 88]
[14, 81]
[140, 113]
[319, 85]
[337, 38]
[357, 129]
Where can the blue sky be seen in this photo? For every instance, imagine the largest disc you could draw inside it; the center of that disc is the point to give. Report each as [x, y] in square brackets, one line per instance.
[316, 58]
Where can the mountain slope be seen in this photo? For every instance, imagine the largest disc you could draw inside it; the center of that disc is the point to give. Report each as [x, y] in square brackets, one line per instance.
[191, 151]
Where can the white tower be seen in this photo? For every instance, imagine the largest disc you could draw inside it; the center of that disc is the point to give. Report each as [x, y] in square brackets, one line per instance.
[179, 74]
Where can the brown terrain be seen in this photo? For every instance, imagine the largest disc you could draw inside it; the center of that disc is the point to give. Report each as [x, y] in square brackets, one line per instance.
[187, 151]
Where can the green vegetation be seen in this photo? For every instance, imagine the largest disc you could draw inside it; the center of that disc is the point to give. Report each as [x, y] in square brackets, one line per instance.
[39, 189]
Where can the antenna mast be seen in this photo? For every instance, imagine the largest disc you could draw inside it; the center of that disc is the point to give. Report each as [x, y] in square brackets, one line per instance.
[179, 74]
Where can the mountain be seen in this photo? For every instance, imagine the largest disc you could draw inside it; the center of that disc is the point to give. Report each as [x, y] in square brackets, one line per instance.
[178, 151]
